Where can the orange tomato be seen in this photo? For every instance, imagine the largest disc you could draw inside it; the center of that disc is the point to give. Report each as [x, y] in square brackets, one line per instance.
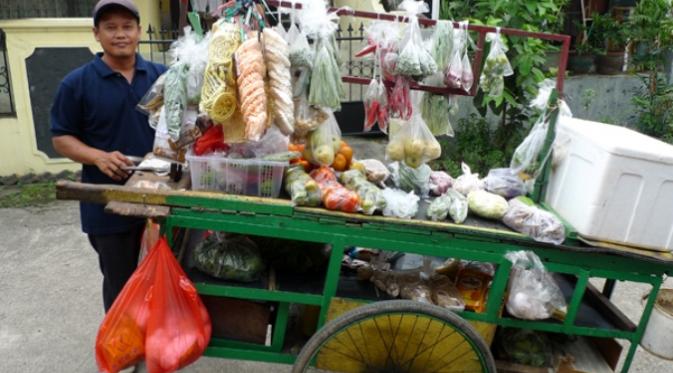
[340, 162]
[347, 151]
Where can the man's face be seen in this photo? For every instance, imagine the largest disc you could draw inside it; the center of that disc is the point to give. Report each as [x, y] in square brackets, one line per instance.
[118, 33]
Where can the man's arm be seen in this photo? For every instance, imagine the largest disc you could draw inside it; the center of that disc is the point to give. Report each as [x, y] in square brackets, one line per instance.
[109, 163]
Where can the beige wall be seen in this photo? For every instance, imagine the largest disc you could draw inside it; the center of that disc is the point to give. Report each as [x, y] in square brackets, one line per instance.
[18, 148]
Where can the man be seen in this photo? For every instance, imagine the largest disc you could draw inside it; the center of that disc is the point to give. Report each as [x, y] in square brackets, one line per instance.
[94, 121]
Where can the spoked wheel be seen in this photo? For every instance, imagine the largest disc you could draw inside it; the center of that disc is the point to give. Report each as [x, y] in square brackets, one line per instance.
[397, 336]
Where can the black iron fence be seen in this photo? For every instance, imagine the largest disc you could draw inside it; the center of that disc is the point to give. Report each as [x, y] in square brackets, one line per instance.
[6, 98]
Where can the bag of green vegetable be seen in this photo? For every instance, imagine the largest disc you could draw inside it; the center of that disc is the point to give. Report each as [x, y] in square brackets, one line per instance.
[229, 257]
[414, 60]
[439, 208]
[371, 197]
[496, 66]
[409, 179]
[451, 203]
[441, 48]
[303, 190]
[524, 217]
[526, 158]
[413, 144]
[435, 110]
[323, 143]
[175, 98]
[523, 346]
[504, 182]
[487, 205]
[301, 61]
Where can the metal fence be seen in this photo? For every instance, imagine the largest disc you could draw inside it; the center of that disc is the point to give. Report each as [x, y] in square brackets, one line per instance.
[350, 38]
[6, 98]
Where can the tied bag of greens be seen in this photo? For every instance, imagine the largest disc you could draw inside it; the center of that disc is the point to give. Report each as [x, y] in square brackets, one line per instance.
[496, 67]
[179, 328]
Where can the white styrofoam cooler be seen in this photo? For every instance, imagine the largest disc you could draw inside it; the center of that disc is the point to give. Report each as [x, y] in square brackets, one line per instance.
[613, 184]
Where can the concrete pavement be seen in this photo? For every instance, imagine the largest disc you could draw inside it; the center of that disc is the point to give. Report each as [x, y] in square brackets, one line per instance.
[51, 305]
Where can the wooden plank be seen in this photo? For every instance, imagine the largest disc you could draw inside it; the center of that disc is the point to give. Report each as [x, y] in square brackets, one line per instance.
[628, 250]
[137, 210]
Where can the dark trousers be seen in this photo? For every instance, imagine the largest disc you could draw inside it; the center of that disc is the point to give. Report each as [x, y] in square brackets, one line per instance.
[118, 258]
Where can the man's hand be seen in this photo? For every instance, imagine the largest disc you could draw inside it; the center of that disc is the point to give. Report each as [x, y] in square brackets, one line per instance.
[112, 164]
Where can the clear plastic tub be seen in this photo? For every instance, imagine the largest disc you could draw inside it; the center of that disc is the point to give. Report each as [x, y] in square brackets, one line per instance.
[250, 177]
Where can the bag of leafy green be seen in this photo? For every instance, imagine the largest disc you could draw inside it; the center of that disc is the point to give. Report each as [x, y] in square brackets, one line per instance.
[526, 157]
[409, 179]
[496, 67]
[175, 98]
[414, 60]
[229, 257]
[525, 347]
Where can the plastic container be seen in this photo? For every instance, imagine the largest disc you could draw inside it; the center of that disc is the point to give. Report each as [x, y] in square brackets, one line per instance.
[613, 184]
[250, 177]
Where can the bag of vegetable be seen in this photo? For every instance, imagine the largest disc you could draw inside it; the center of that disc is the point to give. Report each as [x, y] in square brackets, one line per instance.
[487, 205]
[334, 195]
[303, 190]
[324, 142]
[400, 204]
[440, 182]
[409, 179]
[371, 198]
[376, 102]
[496, 66]
[468, 181]
[414, 60]
[504, 182]
[458, 73]
[179, 328]
[451, 203]
[533, 293]
[413, 144]
[526, 160]
[524, 217]
[229, 257]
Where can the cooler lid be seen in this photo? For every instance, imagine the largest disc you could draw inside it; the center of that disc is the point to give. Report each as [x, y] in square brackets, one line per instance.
[618, 140]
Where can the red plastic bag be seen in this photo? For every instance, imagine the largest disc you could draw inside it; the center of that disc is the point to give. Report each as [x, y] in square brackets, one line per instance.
[121, 337]
[179, 328]
[150, 237]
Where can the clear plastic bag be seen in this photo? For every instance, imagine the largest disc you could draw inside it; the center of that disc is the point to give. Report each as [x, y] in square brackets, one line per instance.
[533, 293]
[526, 158]
[307, 117]
[487, 205]
[496, 66]
[409, 179]
[468, 75]
[504, 182]
[441, 49]
[435, 111]
[376, 102]
[458, 208]
[229, 257]
[324, 142]
[175, 98]
[371, 198]
[192, 50]
[326, 87]
[301, 53]
[542, 99]
[179, 328]
[279, 80]
[414, 60]
[468, 181]
[439, 208]
[153, 100]
[445, 294]
[400, 204]
[303, 190]
[458, 73]
[534, 222]
[375, 170]
[399, 99]
[334, 195]
[440, 182]
[413, 144]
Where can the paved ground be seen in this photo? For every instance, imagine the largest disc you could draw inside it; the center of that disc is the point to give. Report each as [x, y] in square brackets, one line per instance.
[50, 303]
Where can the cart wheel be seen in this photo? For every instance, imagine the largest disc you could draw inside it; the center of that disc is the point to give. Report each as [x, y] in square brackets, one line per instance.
[398, 336]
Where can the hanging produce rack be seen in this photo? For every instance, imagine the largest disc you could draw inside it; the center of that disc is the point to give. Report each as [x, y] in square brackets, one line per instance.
[478, 54]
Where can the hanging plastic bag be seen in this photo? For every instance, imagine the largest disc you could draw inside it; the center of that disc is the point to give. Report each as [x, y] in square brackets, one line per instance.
[496, 66]
[435, 110]
[504, 182]
[301, 61]
[400, 204]
[468, 181]
[371, 198]
[542, 99]
[175, 98]
[526, 158]
[279, 80]
[150, 237]
[376, 101]
[399, 98]
[251, 71]
[533, 293]
[324, 142]
[192, 50]
[468, 76]
[120, 342]
[229, 257]
[307, 117]
[413, 143]
[153, 100]
[487, 205]
[303, 190]
[179, 330]
[524, 217]
[441, 49]
[414, 60]
[161, 147]
[326, 87]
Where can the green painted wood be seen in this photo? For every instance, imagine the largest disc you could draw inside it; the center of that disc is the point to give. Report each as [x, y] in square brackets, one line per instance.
[331, 279]
[496, 295]
[221, 342]
[257, 294]
[576, 299]
[280, 326]
[642, 324]
[247, 354]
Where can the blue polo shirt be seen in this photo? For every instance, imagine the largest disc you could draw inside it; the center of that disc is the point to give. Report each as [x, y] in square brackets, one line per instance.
[98, 106]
